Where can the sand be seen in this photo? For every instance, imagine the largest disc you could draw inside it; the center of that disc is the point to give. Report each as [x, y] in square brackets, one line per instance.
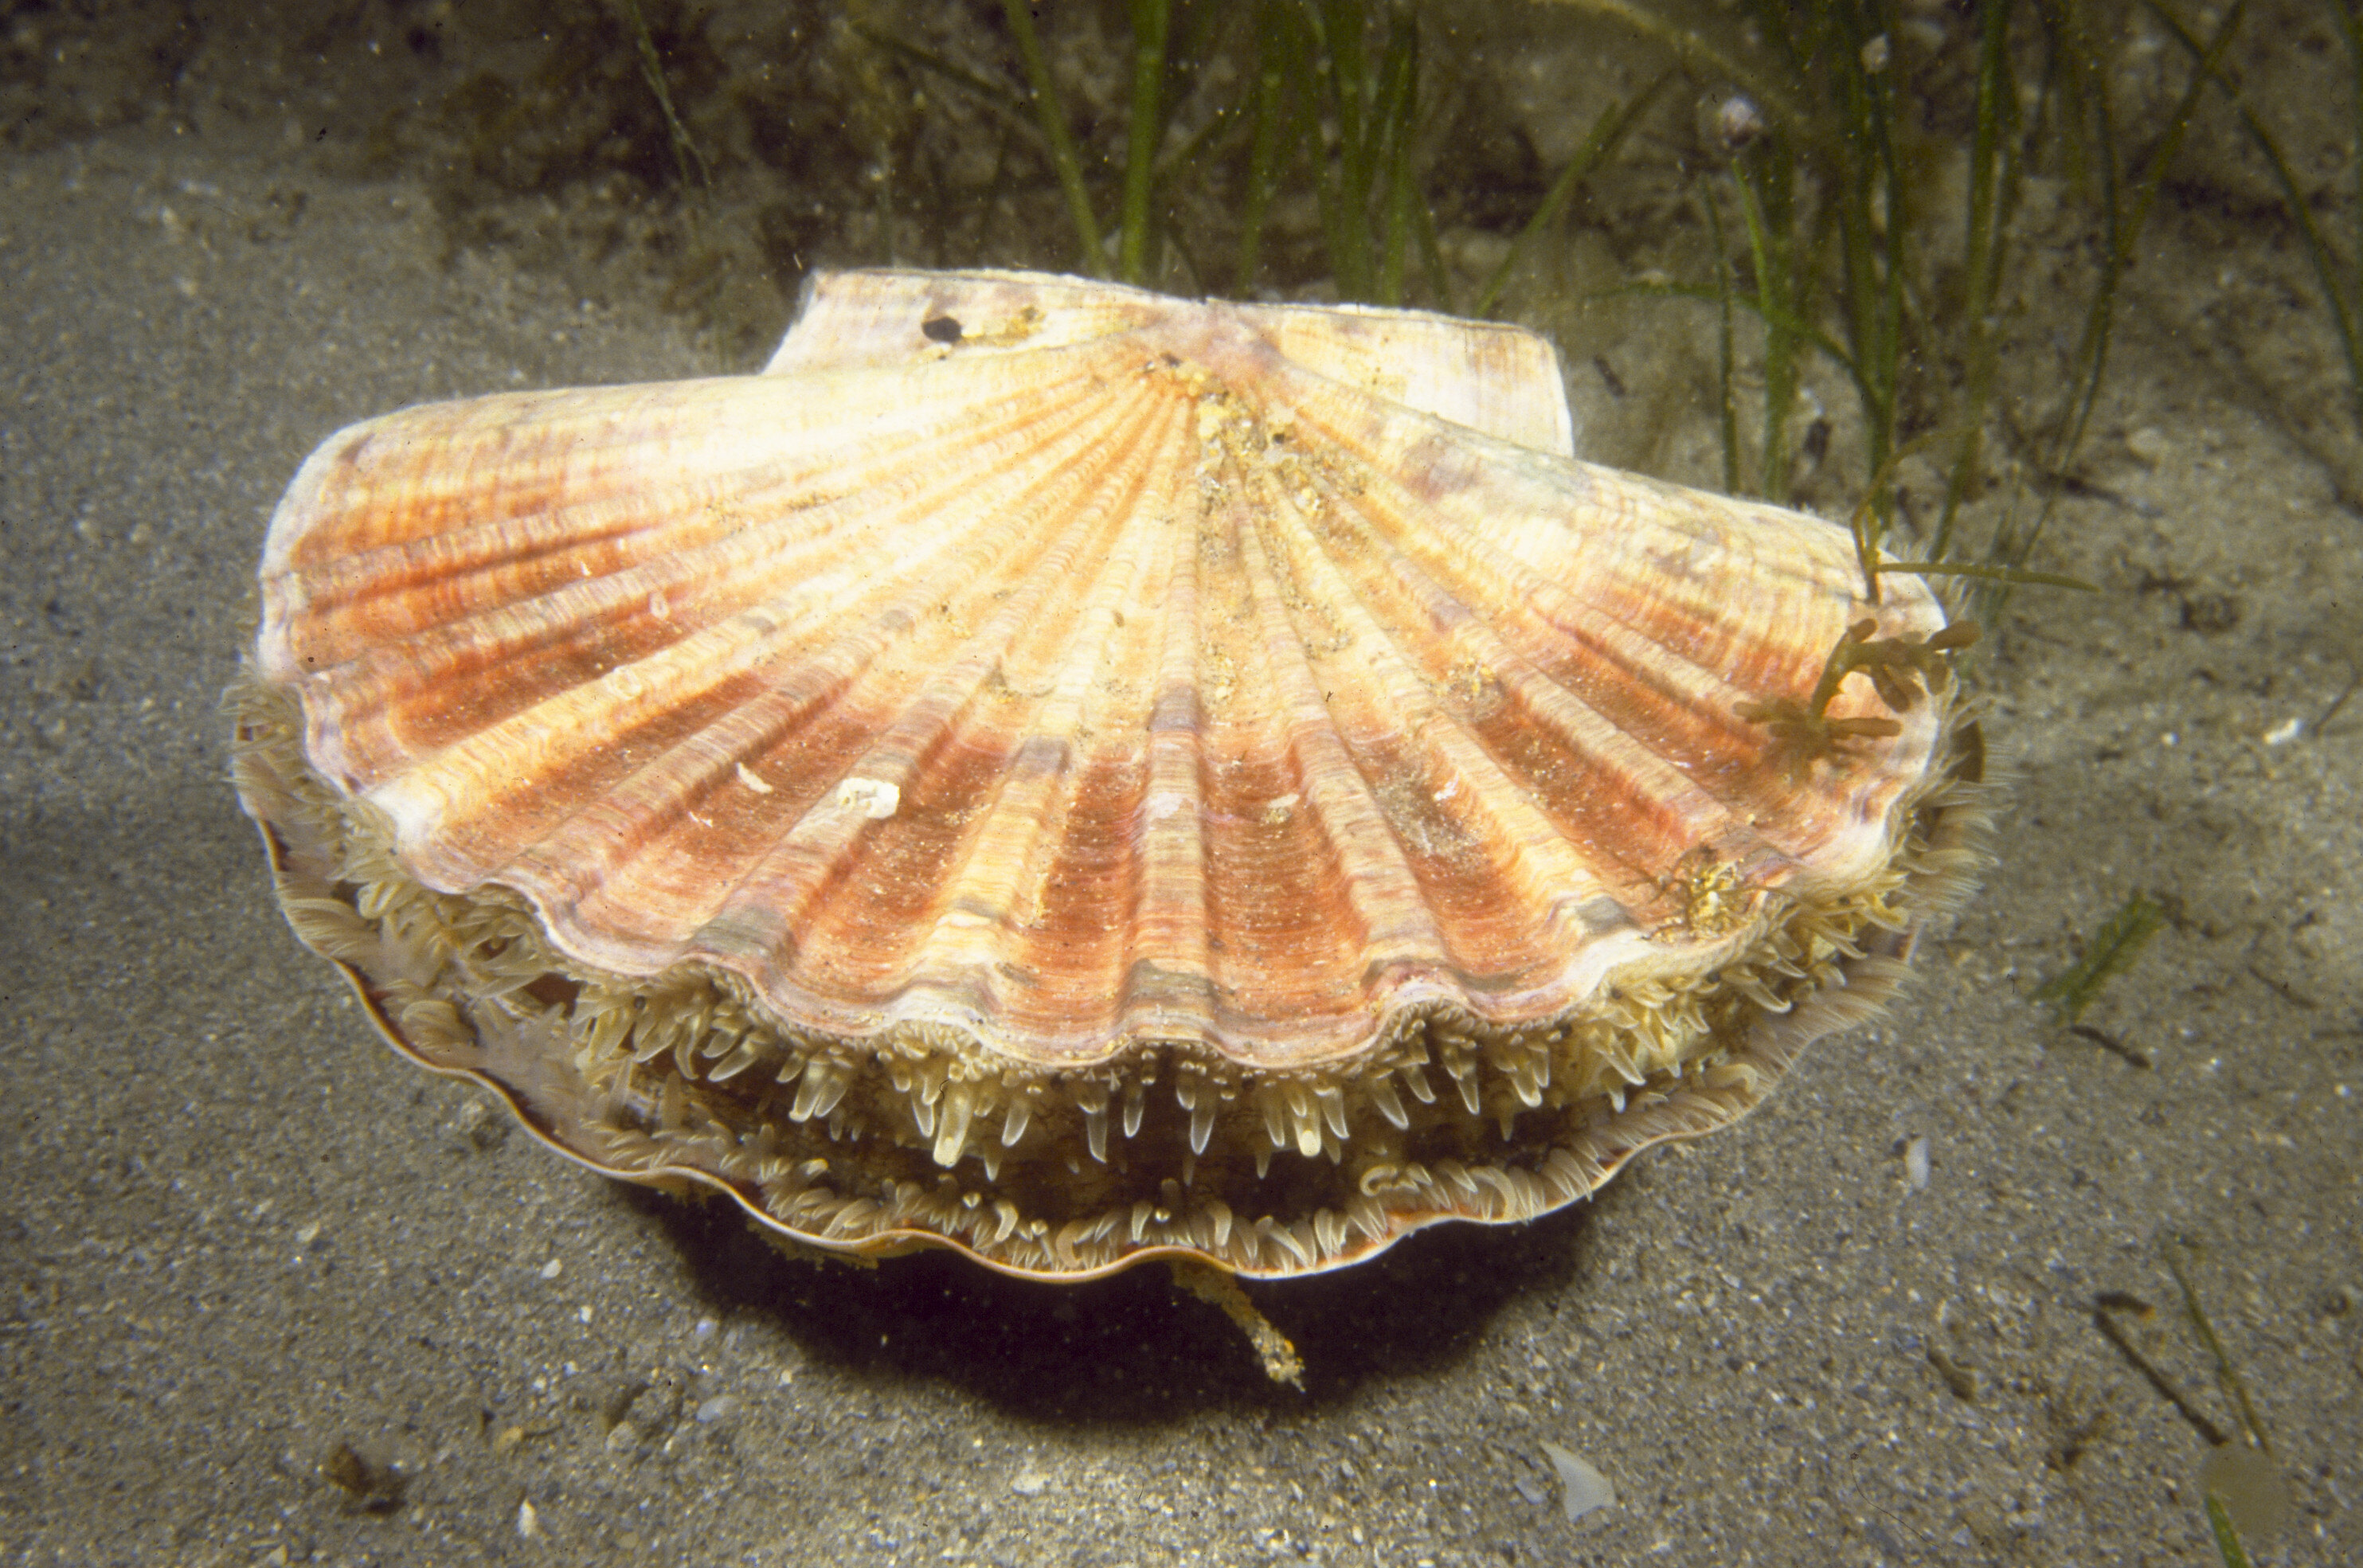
[273, 1296]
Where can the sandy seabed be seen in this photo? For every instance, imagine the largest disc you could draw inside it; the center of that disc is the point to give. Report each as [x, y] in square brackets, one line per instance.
[255, 1267]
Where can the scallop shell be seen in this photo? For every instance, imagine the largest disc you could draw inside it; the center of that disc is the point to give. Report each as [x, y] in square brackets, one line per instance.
[1079, 775]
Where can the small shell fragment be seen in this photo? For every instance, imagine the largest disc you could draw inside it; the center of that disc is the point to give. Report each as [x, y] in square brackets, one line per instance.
[1581, 1488]
[2251, 1490]
[1081, 777]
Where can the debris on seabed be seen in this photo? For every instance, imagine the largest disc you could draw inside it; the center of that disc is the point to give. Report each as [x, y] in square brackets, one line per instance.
[1584, 1488]
[1961, 1378]
[1915, 1162]
[2110, 1044]
[2110, 953]
[377, 1488]
[2249, 1487]
[1280, 1362]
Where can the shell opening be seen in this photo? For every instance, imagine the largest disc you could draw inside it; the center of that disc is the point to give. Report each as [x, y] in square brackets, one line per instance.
[873, 1145]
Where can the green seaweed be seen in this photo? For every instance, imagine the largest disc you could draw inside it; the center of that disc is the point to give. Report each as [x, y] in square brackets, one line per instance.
[2110, 953]
[1874, 230]
[1329, 102]
[1312, 70]
[1707, 59]
[1274, 135]
[1366, 180]
[2123, 217]
[686, 155]
[1902, 670]
[1051, 114]
[2240, 1487]
[2106, 1310]
[1993, 184]
[1824, 251]
[2339, 278]
[2227, 1539]
[1398, 115]
[1152, 23]
[1831, 236]
[1726, 397]
[1767, 205]
[1794, 175]
[2172, 1248]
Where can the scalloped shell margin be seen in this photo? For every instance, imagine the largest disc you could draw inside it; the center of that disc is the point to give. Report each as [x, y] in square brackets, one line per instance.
[425, 646]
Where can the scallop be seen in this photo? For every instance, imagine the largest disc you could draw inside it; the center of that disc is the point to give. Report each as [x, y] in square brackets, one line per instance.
[1079, 777]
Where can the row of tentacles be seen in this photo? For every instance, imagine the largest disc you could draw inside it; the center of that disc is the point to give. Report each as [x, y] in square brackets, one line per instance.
[868, 1145]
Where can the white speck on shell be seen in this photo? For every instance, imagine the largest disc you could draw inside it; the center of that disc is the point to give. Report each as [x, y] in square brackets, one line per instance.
[875, 798]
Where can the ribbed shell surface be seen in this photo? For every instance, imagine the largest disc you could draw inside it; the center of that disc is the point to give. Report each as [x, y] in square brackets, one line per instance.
[1078, 669]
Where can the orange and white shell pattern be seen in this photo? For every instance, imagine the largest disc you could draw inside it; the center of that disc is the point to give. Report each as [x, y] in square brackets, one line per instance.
[1082, 776]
